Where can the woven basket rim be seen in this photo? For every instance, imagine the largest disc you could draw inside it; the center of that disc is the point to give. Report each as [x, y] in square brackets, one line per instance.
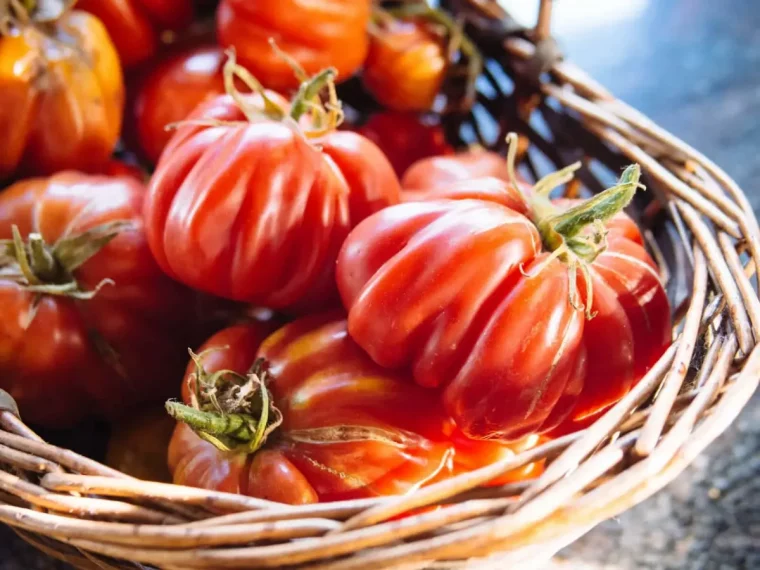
[93, 516]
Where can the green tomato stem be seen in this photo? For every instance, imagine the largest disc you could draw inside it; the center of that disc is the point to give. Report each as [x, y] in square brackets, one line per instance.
[567, 228]
[232, 411]
[42, 263]
[310, 89]
[601, 207]
[236, 426]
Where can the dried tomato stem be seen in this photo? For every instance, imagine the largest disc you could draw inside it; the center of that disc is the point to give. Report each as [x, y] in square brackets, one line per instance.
[14, 13]
[43, 264]
[45, 269]
[298, 70]
[310, 89]
[232, 411]
[22, 13]
[233, 71]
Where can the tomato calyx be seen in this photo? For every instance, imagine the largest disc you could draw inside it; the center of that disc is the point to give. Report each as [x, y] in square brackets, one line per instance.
[576, 235]
[21, 13]
[49, 270]
[234, 412]
[306, 113]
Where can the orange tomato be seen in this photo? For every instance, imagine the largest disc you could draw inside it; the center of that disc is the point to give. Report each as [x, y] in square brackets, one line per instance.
[317, 34]
[61, 96]
[136, 25]
[406, 65]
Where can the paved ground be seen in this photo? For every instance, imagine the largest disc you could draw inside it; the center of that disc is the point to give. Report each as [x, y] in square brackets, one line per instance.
[707, 519]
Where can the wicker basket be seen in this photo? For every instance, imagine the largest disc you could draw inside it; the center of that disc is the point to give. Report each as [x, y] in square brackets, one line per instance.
[701, 229]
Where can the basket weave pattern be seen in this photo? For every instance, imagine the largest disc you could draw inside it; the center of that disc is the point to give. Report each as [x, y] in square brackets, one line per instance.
[701, 229]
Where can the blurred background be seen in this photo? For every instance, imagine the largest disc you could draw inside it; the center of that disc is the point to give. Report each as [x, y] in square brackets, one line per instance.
[693, 66]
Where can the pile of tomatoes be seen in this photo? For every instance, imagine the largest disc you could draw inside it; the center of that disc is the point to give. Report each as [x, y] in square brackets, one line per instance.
[369, 309]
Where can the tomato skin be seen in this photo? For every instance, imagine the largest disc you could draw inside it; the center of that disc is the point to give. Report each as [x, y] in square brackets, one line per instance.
[120, 168]
[135, 26]
[170, 93]
[60, 110]
[54, 367]
[488, 189]
[475, 453]
[444, 287]
[317, 34]
[320, 379]
[405, 137]
[406, 65]
[441, 171]
[230, 208]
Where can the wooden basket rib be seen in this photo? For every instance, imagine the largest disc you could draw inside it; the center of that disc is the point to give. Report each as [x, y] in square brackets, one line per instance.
[700, 227]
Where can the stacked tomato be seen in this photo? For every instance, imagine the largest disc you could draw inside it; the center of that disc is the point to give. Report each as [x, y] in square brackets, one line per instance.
[386, 312]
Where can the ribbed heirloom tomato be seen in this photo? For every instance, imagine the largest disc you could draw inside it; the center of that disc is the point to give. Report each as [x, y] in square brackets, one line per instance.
[61, 94]
[318, 421]
[251, 200]
[441, 171]
[172, 91]
[136, 25]
[91, 325]
[317, 34]
[524, 313]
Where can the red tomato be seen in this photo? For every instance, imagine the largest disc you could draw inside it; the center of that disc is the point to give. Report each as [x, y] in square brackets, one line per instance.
[120, 168]
[255, 212]
[349, 427]
[488, 189]
[406, 64]
[405, 137]
[171, 92]
[64, 356]
[465, 293]
[316, 34]
[61, 97]
[441, 171]
[472, 454]
[136, 25]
